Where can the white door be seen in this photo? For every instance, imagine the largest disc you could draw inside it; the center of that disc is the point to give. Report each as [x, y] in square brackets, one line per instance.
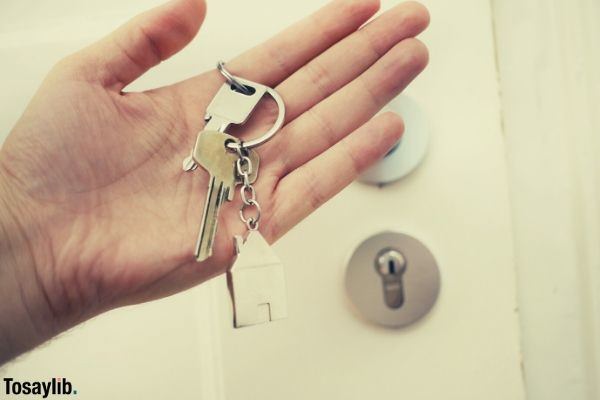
[456, 202]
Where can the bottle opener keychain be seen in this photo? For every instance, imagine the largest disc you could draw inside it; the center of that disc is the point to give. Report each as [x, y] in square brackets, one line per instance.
[255, 281]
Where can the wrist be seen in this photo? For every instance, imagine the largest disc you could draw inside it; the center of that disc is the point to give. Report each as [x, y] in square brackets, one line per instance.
[26, 315]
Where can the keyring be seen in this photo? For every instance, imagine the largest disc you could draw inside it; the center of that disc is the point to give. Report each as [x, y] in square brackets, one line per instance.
[242, 86]
[231, 79]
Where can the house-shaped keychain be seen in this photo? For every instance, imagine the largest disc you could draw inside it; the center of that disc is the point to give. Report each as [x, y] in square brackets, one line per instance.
[256, 282]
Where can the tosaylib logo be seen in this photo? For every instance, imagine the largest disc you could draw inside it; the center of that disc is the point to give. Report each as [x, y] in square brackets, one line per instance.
[53, 387]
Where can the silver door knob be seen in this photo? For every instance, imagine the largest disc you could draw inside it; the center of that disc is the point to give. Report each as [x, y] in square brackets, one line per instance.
[409, 152]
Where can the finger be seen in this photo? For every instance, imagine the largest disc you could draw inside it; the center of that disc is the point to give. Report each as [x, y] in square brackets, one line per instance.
[142, 43]
[274, 60]
[350, 107]
[349, 58]
[307, 188]
[341, 63]
[278, 57]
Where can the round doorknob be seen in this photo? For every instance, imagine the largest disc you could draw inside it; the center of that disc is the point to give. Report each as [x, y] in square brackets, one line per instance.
[409, 152]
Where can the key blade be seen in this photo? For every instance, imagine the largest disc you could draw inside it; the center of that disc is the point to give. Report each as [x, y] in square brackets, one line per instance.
[211, 154]
[210, 219]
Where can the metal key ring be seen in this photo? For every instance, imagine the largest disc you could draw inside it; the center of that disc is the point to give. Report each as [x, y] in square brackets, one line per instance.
[240, 83]
[231, 79]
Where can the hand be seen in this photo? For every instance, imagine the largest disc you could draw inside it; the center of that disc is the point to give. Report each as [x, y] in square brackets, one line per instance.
[97, 205]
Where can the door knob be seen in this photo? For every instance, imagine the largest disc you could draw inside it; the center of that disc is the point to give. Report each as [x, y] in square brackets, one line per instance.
[409, 152]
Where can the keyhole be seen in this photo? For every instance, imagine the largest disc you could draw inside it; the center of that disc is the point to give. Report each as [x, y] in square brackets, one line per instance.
[391, 265]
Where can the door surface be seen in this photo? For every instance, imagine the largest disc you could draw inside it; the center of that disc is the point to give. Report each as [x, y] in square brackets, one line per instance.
[456, 202]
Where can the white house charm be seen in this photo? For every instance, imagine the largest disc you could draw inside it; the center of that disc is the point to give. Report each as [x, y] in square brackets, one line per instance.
[256, 282]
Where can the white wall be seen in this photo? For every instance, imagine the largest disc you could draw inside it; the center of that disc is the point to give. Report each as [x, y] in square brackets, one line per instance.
[549, 64]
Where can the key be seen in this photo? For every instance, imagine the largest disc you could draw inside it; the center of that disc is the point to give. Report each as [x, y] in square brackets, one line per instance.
[229, 107]
[256, 283]
[210, 153]
[253, 155]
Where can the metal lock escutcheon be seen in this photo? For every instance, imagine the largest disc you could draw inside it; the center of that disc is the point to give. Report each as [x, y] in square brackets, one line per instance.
[392, 279]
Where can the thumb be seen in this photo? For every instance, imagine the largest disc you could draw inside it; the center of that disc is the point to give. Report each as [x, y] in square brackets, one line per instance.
[143, 42]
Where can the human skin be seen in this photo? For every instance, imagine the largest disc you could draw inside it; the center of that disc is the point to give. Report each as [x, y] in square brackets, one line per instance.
[95, 211]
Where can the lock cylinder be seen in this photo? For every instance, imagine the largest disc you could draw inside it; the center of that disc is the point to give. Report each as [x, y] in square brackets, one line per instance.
[391, 265]
[392, 279]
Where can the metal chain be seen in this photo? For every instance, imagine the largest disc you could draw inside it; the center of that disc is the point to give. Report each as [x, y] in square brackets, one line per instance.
[247, 192]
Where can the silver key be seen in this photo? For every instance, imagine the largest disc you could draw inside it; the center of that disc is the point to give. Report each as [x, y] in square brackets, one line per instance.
[229, 107]
[210, 153]
[256, 283]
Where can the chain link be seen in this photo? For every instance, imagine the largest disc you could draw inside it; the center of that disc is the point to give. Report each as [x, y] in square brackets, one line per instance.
[247, 192]
[251, 222]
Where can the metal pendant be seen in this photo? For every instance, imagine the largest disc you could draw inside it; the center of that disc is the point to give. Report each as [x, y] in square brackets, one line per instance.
[256, 283]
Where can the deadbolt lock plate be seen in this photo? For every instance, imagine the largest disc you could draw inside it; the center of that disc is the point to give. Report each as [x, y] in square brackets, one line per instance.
[393, 279]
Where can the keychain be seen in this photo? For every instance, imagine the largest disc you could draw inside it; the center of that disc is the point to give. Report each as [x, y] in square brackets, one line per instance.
[255, 280]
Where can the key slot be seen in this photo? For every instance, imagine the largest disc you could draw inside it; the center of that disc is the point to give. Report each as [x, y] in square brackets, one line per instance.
[250, 90]
[391, 266]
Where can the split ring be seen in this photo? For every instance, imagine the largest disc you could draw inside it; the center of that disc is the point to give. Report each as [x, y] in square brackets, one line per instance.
[242, 85]
[231, 79]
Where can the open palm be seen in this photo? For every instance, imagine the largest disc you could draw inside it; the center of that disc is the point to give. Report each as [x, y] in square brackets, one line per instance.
[98, 170]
